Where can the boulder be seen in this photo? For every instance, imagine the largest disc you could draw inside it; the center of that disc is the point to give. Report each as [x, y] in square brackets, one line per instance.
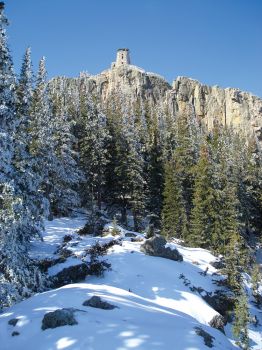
[137, 239]
[71, 274]
[218, 264]
[221, 302]
[218, 322]
[15, 333]
[155, 246]
[98, 303]
[59, 318]
[67, 238]
[130, 234]
[13, 321]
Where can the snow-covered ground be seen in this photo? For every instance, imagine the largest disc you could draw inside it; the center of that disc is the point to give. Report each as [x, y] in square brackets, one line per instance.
[156, 308]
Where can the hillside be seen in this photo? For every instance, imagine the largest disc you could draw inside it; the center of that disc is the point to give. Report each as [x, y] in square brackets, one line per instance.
[156, 308]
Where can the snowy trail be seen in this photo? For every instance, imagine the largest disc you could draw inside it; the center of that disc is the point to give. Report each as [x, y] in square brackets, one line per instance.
[156, 311]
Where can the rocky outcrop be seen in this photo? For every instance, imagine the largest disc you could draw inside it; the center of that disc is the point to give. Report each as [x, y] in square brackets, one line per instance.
[128, 85]
[221, 302]
[212, 104]
[132, 81]
[156, 246]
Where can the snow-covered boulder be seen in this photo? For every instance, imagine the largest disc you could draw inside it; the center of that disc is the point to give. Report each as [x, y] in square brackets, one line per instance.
[156, 246]
[98, 303]
[58, 318]
[218, 322]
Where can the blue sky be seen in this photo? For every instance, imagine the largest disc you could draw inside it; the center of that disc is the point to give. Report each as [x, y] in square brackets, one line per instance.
[218, 42]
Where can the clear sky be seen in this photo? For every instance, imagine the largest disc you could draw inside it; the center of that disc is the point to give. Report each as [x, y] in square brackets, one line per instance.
[217, 42]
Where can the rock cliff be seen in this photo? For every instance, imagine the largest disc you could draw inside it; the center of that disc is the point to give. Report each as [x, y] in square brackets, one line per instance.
[228, 106]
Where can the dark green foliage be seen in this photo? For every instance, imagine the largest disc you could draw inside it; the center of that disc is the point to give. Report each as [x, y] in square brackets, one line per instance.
[203, 200]
[241, 321]
[154, 172]
[174, 219]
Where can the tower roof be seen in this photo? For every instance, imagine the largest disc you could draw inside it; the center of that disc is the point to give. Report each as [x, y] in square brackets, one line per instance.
[123, 49]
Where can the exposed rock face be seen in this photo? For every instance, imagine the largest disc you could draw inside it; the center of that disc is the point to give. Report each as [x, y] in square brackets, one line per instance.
[155, 246]
[58, 318]
[132, 81]
[213, 104]
[227, 106]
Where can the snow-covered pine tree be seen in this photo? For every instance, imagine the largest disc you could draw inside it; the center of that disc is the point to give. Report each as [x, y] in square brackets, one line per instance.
[27, 179]
[224, 211]
[180, 171]
[52, 148]
[93, 140]
[18, 275]
[24, 89]
[134, 163]
[41, 129]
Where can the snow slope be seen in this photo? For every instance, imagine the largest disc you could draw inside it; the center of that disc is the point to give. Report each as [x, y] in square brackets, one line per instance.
[156, 310]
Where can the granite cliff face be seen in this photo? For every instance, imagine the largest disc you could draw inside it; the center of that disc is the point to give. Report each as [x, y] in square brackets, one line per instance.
[229, 106]
[133, 82]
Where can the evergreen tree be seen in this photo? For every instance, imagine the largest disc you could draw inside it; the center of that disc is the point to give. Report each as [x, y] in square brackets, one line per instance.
[24, 89]
[135, 172]
[27, 179]
[18, 275]
[52, 149]
[154, 171]
[201, 220]
[250, 187]
[93, 138]
[224, 211]
[234, 265]
[174, 219]
[125, 169]
[241, 320]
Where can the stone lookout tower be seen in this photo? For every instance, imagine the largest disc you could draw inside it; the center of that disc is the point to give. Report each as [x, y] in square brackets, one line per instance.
[122, 58]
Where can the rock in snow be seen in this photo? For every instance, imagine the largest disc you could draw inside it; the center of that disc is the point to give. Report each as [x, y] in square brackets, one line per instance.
[58, 318]
[155, 246]
[71, 274]
[98, 303]
[218, 322]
